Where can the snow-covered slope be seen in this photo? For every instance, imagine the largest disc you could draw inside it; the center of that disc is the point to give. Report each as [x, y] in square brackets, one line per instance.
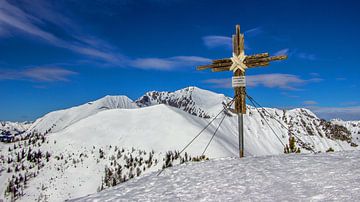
[13, 128]
[322, 177]
[158, 128]
[352, 126]
[58, 120]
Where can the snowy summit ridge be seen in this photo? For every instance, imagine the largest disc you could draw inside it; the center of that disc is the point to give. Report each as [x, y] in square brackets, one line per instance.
[196, 101]
[58, 120]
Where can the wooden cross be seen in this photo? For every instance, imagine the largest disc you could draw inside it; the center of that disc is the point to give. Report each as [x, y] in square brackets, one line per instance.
[238, 63]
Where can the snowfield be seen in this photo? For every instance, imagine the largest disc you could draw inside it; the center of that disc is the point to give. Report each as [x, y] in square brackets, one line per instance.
[58, 120]
[320, 177]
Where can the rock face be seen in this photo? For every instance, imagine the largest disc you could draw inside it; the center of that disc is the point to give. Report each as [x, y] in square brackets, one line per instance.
[352, 126]
[195, 101]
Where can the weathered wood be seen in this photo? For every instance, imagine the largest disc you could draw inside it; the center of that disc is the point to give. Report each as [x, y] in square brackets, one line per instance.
[259, 64]
[224, 60]
[237, 37]
[265, 59]
[241, 44]
[236, 42]
[203, 67]
[213, 66]
[220, 69]
[257, 56]
[279, 57]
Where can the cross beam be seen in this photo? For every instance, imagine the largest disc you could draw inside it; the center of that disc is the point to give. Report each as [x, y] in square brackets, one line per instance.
[238, 63]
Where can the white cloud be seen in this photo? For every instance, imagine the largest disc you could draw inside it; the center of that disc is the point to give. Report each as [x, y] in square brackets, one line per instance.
[314, 74]
[39, 74]
[310, 102]
[168, 63]
[254, 32]
[306, 56]
[217, 41]
[297, 54]
[345, 113]
[282, 81]
[219, 83]
[284, 51]
[16, 19]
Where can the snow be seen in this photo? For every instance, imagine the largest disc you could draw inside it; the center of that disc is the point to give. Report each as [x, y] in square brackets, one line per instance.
[159, 128]
[58, 120]
[14, 128]
[320, 177]
[158, 121]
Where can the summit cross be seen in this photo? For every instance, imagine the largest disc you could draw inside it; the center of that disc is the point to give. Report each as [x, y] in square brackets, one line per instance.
[238, 64]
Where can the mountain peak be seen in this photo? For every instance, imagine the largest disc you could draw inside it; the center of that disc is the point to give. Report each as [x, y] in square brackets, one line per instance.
[194, 100]
[58, 120]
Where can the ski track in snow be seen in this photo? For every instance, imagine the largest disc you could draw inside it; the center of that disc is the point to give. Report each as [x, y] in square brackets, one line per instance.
[321, 177]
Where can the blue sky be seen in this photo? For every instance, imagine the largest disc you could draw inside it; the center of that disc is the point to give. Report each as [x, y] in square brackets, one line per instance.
[57, 54]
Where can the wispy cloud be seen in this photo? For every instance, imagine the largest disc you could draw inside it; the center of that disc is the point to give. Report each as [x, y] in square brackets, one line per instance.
[282, 81]
[217, 42]
[26, 21]
[310, 102]
[297, 54]
[168, 63]
[284, 51]
[350, 103]
[345, 113]
[38, 74]
[16, 19]
[314, 74]
[306, 56]
[254, 31]
[289, 95]
[219, 83]
[225, 42]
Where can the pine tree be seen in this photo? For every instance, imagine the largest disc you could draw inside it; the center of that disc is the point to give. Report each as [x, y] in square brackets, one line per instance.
[292, 144]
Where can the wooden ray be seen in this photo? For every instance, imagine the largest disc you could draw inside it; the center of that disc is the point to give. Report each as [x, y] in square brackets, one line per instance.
[266, 59]
[225, 60]
[257, 56]
[220, 69]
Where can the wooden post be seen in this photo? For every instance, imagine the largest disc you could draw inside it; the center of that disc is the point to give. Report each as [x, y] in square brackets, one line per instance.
[240, 106]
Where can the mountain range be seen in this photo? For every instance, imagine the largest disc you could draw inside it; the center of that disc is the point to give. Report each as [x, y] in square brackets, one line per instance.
[88, 148]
